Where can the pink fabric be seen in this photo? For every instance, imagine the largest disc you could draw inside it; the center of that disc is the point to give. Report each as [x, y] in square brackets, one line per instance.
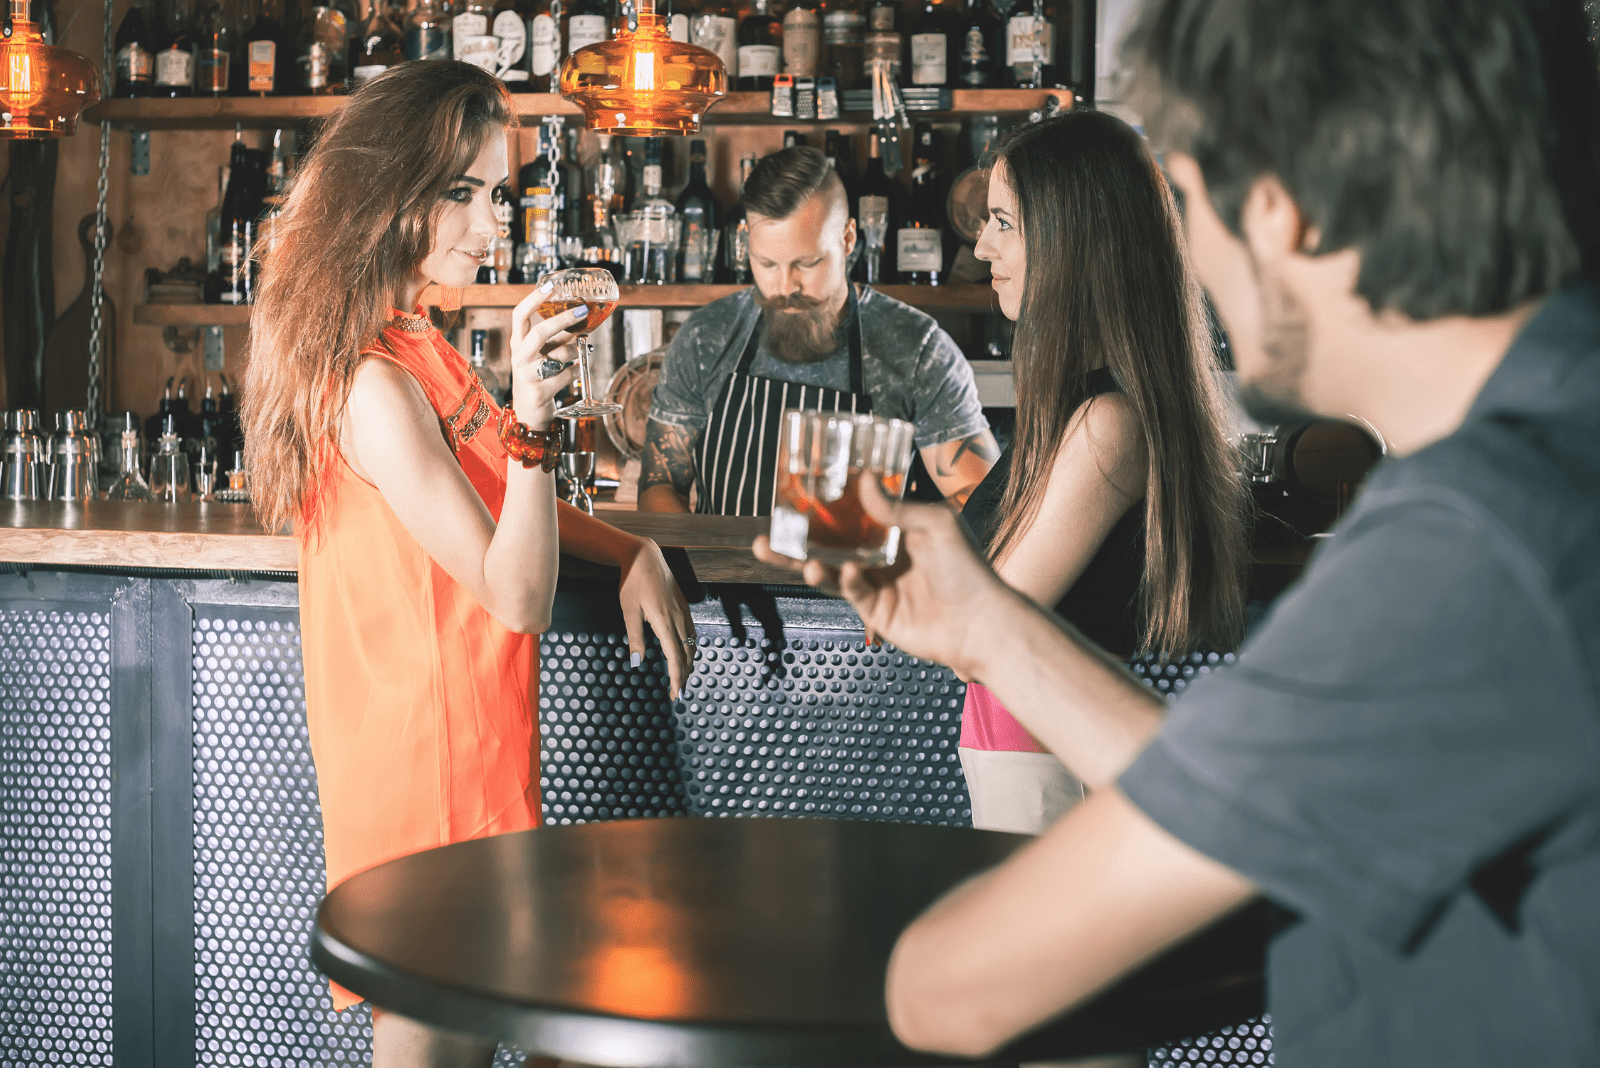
[985, 724]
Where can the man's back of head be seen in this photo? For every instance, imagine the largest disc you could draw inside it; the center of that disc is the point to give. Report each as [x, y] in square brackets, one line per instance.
[1452, 143]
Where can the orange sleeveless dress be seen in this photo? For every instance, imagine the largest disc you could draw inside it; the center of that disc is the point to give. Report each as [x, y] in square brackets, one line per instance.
[422, 708]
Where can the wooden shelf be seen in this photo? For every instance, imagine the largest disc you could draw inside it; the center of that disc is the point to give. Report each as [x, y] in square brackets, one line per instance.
[223, 113]
[969, 298]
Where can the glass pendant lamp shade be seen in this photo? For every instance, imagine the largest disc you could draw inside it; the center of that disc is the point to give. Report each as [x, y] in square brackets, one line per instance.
[43, 89]
[644, 82]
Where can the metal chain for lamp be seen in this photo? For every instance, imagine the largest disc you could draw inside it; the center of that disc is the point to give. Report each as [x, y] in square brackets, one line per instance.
[98, 293]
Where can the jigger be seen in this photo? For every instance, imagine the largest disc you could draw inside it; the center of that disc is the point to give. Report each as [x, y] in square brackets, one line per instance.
[23, 476]
[75, 459]
[578, 469]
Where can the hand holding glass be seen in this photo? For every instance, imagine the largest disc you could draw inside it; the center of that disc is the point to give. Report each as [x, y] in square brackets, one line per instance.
[817, 511]
[596, 288]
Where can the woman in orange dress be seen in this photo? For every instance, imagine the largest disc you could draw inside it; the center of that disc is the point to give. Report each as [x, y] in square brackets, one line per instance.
[427, 518]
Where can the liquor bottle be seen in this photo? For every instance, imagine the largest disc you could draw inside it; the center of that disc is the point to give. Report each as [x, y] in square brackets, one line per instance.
[175, 62]
[322, 49]
[1031, 45]
[541, 24]
[183, 419]
[268, 61]
[214, 227]
[919, 243]
[135, 54]
[697, 208]
[538, 173]
[791, 138]
[975, 58]
[231, 431]
[502, 250]
[470, 39]
[241, 207]
[154, 423]
[169, 467]
[760, 49]
[604, 196]
[588, 22]
[651, 199]
[876, 215]
[427, 32]
[130, 484]
[802, 38]
[882, 40]
[204, 439]
[844, 25]
[377, 45]
[715, 27]
[216, 42]
[934, 42]
[509, 23]
[570, 198]
[677, 14]
[736, 232]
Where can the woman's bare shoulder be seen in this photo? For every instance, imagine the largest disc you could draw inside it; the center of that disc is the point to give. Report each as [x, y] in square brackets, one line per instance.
[1107, 432]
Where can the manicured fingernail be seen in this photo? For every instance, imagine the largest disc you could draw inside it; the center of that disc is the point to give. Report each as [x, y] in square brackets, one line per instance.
[580, 311]
[547, 287]
[633, 661]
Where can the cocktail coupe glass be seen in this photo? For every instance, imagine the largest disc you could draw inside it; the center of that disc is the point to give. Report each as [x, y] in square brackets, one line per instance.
[595, 287]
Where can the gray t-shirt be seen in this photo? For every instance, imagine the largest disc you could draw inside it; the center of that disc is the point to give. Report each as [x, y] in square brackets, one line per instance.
[1406, 756]
[910, 368]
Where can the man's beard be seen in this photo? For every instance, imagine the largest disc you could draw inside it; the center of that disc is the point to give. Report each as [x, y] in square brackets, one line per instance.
[1275, 397]
[808, 333]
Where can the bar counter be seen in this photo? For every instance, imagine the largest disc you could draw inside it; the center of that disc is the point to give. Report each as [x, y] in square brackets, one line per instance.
[160, 833]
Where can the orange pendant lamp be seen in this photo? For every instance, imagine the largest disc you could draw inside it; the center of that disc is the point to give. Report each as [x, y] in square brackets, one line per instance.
[643, 82]
[43, 89]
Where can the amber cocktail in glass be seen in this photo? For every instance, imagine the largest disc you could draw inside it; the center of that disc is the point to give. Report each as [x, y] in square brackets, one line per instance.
[595, 288]
[816, 510]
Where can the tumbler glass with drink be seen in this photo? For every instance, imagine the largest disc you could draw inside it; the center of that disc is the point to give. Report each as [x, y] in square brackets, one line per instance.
[822, 457]
[596, 288]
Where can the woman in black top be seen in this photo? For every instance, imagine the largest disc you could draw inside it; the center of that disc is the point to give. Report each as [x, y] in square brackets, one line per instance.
[1118, 502]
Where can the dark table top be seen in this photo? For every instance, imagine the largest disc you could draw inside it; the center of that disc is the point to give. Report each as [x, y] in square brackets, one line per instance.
[742, 942]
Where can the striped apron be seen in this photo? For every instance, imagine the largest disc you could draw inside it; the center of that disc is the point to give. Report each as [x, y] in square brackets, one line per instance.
[738, 452]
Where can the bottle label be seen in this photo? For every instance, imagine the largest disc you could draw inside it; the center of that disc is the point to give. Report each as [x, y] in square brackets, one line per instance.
[544, 46]
[1022, 49]
[652, 177]
[802, 40]
[211, 71]
[314, 66]
[881, 17]
[512, 37]
[465, 26]
[427, 42]
[843, 27]
[718, 34]
[929, 55]
[678, 28]
[884, 46]
[873, 211]
[759, 61]
[480, 50]
[584, 30]
[919, 249]
[135, 64]
[262, 57]
[362, 75]
[174, 66]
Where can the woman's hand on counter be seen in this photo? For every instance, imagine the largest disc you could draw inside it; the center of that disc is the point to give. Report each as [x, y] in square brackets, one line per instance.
[650, 594]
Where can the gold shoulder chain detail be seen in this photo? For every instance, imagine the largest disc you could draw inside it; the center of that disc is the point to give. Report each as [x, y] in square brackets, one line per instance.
[470, 415]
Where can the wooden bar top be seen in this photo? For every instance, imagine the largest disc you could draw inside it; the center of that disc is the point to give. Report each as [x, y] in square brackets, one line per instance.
[211, 536]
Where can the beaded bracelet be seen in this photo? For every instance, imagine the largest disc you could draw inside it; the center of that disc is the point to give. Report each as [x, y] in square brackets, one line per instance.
[535, 448]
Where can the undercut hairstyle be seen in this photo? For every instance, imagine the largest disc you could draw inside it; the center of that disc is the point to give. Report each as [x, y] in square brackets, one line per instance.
[783, 181]
[1108, 284]
[1452, 143]
[357, 223]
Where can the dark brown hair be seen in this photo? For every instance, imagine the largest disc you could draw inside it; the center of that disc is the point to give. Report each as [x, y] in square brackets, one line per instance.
[1455, 144]
[783, 181]
[1108, 283]
[357, 223]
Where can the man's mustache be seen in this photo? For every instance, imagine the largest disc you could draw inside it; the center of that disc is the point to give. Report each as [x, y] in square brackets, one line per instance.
[796, 301]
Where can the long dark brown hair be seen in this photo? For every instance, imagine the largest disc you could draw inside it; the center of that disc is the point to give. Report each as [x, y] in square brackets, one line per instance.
[1108, 283]
[357, 223]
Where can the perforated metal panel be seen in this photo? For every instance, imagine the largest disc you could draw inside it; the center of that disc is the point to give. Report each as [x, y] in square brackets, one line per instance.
[55, 837]
[1172, 678]
[1245, 1044]
[258, 853]
[818, 724]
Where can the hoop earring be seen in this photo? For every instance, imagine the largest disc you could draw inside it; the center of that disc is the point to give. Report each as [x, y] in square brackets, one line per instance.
[449, 298]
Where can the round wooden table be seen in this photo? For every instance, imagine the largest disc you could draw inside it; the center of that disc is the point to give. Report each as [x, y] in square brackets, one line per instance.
[752, 943]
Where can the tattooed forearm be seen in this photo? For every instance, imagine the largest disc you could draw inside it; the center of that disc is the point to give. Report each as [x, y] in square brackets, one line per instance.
[668, 456]
[980, 447]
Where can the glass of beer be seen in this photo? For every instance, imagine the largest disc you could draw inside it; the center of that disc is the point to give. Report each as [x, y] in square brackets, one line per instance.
[822, 458]
[597, 288]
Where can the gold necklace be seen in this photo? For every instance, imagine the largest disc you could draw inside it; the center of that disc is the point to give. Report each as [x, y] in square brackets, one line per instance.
[411, 324]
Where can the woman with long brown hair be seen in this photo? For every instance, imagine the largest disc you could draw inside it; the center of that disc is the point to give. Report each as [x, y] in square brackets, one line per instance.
[427, 518]
[1118, 502]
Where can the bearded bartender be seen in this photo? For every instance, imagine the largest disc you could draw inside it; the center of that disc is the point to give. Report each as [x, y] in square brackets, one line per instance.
[802, 337]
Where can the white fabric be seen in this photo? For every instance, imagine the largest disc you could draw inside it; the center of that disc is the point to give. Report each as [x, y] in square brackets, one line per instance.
[1023, 793]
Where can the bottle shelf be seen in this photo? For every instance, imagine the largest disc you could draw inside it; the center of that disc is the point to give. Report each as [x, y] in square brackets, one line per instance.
[954, 298]
[223, 113]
